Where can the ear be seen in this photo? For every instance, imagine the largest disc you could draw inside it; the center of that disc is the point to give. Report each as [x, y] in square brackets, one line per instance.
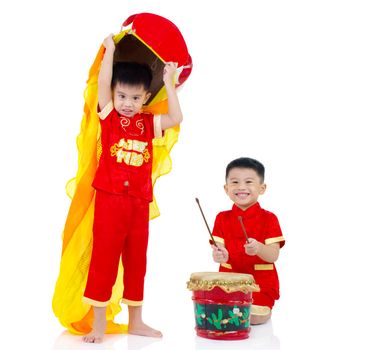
[226, 188]
[147, 97]
[263, 188]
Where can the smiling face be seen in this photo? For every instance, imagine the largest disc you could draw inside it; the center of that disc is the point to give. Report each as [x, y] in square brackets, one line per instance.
[128, 100]
[243, 186]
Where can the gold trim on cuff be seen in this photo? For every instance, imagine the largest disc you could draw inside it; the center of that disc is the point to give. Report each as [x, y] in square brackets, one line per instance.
[157, 126]
[95, 302]
[263, 267]
[132, 302]
[219, 239]
[106, 110]
[228, 266]
[258, 310]
[274, 240]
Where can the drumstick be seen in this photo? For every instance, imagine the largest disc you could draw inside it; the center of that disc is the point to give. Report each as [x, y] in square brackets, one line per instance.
[243, 228]
[208, 228]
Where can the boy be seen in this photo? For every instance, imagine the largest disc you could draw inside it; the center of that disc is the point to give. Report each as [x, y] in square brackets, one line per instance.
[257, 254]
[123, 186]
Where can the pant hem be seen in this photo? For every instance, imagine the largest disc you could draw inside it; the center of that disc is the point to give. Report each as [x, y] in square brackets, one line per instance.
[132, 302]
[95, 302]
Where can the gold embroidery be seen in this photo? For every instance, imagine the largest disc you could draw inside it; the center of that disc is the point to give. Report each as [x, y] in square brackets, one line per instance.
[125, 122]
[146, 155]
[140, 125]
[122, 151]
[136, 159]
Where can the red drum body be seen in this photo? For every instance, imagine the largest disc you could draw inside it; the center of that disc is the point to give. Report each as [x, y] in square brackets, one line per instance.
[222, 304]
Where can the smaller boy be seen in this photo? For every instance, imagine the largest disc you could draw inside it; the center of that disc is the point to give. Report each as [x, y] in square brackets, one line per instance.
[257, 254]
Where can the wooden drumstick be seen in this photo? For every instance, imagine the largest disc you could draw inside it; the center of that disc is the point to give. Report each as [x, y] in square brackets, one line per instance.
[208, 228]
[243, 228]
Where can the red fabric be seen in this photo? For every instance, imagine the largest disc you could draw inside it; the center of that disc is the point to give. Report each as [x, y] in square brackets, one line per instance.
[261, 225]
[120, 229]
[161, 35]
[118, 171]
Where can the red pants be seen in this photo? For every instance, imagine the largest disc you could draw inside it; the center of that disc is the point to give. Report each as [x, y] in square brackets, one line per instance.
[120, 230]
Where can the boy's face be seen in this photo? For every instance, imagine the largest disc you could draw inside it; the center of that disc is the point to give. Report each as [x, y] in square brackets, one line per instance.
[243, 187]
[128, 100]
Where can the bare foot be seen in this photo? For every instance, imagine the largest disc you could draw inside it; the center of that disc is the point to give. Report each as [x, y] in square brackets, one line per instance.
[93, 337]
[98, 328]
[143, 329]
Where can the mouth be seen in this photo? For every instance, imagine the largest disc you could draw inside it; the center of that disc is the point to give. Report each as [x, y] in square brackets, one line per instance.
[126, 111]
[242, 195]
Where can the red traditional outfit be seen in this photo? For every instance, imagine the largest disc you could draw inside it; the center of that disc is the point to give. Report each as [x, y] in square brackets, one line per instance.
[263, 226]
[123, 193]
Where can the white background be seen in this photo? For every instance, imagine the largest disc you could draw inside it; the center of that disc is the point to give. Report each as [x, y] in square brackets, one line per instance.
[290, 83]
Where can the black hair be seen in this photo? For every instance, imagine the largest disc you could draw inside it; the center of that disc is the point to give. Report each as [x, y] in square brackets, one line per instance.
[247, 163]
[131, 73]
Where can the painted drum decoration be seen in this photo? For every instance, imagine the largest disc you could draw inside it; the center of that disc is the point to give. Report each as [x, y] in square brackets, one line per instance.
[222, 304]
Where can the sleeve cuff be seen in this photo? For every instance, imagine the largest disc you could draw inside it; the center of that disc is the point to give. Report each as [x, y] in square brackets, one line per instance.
[106, 110]
[279, 239]
[219, 239]
[157, 126]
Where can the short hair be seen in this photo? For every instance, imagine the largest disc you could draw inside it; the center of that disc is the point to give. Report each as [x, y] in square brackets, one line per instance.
[247, 163]
[132, 73]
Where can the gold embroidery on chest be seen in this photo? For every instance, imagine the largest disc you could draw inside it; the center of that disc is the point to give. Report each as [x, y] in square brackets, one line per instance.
[131, 152]
[125, 122]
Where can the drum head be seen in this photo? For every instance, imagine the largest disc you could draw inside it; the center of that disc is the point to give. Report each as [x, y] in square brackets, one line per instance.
[228, 281]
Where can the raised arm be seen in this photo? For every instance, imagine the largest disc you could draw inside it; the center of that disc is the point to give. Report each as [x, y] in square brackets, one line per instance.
[174, 116]
[105, 74]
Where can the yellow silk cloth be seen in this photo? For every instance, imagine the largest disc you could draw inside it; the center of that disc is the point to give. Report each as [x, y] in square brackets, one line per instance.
[67, 302]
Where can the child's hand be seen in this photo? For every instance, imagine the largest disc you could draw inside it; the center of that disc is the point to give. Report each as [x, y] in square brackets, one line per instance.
[252, 247]
[169, 71]
[108, 43]
[220, 254]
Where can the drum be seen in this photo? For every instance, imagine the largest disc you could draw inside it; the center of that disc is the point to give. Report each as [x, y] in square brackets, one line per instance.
[222, 304]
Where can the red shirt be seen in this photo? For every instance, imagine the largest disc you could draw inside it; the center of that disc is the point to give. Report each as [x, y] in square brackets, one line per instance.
[261, 225]
[125, 165]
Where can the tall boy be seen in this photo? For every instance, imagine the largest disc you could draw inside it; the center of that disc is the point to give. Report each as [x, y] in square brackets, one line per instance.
[123, 186]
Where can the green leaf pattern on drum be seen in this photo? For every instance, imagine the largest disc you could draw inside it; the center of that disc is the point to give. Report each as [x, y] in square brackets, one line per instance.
[225, 317]
[216, 320]
[199, 314]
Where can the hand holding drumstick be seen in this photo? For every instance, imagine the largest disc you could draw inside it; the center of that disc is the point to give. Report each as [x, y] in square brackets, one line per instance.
[220, 253]
[252, 247]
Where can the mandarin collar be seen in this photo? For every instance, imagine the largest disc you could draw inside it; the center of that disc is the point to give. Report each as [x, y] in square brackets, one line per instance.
[251, 211]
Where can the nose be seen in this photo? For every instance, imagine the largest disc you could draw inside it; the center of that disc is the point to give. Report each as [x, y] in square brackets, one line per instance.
[127, 102]
[242, 186]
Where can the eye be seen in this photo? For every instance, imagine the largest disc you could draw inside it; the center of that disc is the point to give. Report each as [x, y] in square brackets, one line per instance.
[249, 182]
[135, 98]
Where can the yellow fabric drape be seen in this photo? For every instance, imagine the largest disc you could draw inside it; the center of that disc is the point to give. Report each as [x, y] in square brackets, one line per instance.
[67, 303]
